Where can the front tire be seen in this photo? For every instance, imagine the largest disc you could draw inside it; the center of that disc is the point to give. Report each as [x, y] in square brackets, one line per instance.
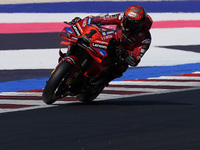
[62, 72]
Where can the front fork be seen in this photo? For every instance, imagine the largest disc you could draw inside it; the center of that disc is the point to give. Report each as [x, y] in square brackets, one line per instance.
[75, 81]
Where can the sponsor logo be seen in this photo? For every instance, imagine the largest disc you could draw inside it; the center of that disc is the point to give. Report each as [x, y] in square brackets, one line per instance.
[79, 27]
[76, 30]
[146, 41]
[106, 37]
[102, 42]
[102, 52]
[132, 14]
[103, 33]
[108, 32]
[111, 16]
[89, 21]
[84, 23]
[99, 46]
[69, 30]
[143, 51]
[120, 16]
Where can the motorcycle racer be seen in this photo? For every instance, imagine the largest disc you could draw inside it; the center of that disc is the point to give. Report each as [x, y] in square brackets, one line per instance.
[132, 32]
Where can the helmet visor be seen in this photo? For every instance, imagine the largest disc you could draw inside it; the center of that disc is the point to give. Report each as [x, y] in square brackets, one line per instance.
[131, 25]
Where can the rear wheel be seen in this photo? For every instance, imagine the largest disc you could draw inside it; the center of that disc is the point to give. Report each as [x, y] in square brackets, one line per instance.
[53, 89]
[90, 94]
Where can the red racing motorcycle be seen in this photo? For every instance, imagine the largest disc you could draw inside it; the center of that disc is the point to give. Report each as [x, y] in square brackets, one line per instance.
[82, 70]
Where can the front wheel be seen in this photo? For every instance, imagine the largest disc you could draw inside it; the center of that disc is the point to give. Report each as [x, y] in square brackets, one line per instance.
[53, 86]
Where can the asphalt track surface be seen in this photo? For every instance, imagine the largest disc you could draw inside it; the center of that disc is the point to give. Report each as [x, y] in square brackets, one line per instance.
[167, 121]
[27, 41]
[19, 74]
[155, 122]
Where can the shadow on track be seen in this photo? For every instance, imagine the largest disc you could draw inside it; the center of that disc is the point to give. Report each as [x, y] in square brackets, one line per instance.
[161, 99]
[123, 102]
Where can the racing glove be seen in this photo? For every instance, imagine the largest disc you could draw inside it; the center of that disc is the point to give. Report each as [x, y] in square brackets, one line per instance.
[75, 20]
[126, 56]
[130, 60]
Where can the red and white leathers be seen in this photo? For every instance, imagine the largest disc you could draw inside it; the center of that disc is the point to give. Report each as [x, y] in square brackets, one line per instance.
[136, 44]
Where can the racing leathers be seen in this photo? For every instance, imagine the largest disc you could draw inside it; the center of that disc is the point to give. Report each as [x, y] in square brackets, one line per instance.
[133, 46]
[136, 44]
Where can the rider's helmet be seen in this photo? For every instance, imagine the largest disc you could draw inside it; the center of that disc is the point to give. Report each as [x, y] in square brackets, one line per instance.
[134, 18]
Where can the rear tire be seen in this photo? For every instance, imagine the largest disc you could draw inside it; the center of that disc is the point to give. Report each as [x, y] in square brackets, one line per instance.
[89, 95]
[62, 72]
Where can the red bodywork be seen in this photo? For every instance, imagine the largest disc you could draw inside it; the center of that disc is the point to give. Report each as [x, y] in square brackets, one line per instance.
[97, 38]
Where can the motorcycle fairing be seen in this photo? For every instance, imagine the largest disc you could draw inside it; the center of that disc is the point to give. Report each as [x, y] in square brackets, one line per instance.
[69, 30]
[102, 52]
[91, 38]
[96, 49]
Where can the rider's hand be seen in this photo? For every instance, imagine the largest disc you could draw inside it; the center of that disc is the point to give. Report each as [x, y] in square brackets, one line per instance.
[130, 60]
[126, 56]
[75, 20]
